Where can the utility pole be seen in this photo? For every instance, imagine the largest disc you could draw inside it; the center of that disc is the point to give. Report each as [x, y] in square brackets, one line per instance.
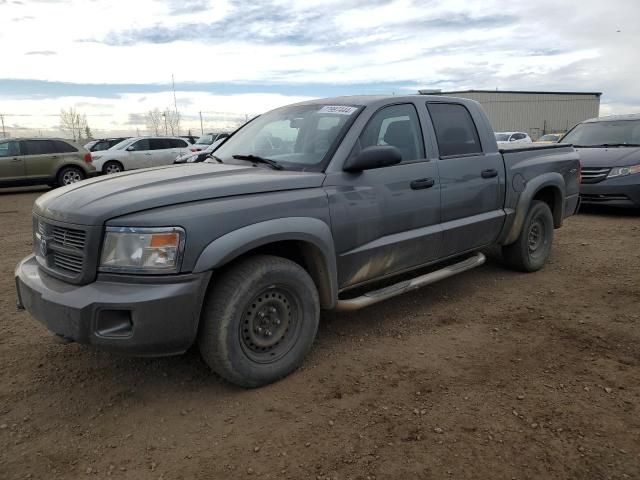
[201, 127]
[4, 133]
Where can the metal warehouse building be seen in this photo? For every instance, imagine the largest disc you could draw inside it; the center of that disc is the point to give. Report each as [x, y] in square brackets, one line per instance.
[536, 113]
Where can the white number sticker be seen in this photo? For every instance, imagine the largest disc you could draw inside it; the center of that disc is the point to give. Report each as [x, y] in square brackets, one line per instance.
[339, 109]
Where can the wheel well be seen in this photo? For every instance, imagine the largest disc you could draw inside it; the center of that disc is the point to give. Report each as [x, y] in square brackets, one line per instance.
[112, 161]
[305, 254]
[552, 196]
[61, 167]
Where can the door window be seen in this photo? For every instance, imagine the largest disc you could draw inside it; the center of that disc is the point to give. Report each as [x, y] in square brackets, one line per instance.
[397, 126]
[141, 145]
[159, 144]
[455, 131]
[9, 149]
[518, 136]
[39, 147]
[177, 143]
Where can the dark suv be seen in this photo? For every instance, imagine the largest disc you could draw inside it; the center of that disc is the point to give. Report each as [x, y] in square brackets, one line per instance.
[51, 161]
[103, 143]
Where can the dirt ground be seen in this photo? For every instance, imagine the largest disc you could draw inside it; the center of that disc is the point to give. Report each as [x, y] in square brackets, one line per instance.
[490, 375]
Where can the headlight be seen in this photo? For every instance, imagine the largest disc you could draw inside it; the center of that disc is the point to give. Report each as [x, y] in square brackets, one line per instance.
[622, 171]
[142, 250]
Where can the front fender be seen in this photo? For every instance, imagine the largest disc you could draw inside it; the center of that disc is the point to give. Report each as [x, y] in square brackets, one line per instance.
[533, 186]
[306, 229]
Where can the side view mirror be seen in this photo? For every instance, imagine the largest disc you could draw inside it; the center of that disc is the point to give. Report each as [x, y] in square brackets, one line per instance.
[130, 148]
[373, 157]
[512, 139]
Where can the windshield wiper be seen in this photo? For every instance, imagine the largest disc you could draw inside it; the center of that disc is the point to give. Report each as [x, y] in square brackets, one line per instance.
[254, 158]
[211, 155]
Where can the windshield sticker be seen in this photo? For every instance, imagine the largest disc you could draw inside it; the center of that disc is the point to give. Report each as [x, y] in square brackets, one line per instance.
[339, 109]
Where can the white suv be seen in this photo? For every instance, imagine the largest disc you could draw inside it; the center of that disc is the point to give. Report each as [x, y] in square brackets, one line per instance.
[139, 152]
[512, 137]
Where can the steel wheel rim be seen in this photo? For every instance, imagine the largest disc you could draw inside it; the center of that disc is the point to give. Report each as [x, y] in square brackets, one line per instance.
[70, 177]
[270, 325]
[113, 168]
[536, 240]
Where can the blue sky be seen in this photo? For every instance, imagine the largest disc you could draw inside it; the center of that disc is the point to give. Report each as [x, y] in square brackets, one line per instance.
[113, 60]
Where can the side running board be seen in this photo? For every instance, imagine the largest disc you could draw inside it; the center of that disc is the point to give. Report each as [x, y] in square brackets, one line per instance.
[405, 286]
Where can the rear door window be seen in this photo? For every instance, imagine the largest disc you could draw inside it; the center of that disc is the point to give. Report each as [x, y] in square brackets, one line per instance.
[39, 147]
[455, 130]
[159, 144]
[177, 143]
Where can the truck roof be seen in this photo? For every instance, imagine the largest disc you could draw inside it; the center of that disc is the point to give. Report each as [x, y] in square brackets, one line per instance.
[366, 100]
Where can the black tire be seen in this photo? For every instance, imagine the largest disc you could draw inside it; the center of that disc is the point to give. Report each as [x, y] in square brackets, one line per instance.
[259, 321]
[112, 166]
[531, 250]
[69, 175]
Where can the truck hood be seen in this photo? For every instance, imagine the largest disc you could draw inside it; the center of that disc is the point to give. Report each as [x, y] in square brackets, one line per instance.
[609, 157]
[93, 202]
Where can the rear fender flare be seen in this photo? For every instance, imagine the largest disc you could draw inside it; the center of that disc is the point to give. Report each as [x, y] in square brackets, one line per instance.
[533, 186]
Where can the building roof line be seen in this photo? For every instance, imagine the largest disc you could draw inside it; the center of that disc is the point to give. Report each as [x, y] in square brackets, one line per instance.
[430, 92]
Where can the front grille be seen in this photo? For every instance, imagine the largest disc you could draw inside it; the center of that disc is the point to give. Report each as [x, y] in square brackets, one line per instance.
[70, 263]
[66, 252]
[69, 237]
[594, 174]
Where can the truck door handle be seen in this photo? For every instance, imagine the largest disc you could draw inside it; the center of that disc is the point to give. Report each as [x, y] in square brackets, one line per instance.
[16, 159]
[490, 173]
[422, 183]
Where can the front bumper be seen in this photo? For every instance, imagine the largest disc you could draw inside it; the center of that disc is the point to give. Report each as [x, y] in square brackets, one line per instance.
[620, 192]
[134, 315]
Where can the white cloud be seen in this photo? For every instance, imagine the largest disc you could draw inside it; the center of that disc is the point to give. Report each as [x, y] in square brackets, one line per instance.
[575, 45]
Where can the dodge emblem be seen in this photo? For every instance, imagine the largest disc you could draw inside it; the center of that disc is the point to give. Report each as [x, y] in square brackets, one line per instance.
[43, 246]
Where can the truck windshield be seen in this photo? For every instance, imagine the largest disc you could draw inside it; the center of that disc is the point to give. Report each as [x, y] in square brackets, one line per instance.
[606, 133]
[296, 137]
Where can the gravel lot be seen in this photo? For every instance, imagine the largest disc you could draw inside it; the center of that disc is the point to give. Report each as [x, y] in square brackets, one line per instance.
[489, 375]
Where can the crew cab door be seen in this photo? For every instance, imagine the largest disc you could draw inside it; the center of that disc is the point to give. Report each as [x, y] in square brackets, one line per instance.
[386, 220]
[470, 193]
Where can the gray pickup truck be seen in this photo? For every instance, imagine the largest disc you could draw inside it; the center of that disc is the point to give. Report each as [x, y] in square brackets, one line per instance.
[327, 204]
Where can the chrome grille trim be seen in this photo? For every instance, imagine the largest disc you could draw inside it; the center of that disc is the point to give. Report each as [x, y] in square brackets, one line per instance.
[594, 174]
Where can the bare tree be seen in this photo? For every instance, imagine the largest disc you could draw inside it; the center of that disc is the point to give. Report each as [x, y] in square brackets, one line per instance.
[154, 121]
[173, 121]
[73, 123]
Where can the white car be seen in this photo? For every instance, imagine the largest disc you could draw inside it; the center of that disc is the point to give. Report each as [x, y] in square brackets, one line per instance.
[512, 137]
[139, 152]
[207, 139]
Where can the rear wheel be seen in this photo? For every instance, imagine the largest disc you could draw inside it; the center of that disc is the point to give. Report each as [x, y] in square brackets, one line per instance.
[259, 321]
[112, 167]
[69, 175]
[531, 250]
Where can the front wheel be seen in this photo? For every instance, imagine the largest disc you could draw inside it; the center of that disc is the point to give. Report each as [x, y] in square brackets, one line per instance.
[259, 320]
[531, 250]
[69, 175]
